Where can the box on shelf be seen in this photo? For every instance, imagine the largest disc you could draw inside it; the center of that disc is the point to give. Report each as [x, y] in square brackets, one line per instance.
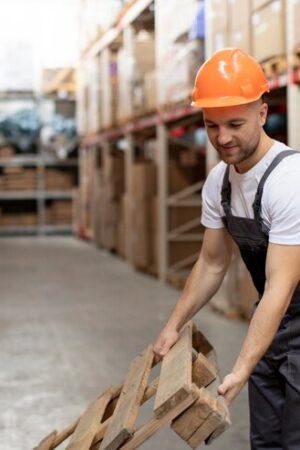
[241, 38]
[257, 4]
[7, 151]
[181, 177]
[239, 14]
[144, 180]
[295, 34]
[268, 28]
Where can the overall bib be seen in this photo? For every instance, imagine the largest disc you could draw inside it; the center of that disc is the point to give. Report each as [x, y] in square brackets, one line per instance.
[274, 386]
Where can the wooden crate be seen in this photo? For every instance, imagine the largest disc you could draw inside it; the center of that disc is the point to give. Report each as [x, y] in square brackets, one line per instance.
[185, 398]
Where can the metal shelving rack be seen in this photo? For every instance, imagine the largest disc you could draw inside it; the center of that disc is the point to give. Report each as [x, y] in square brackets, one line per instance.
[40, 162]
[161, 121]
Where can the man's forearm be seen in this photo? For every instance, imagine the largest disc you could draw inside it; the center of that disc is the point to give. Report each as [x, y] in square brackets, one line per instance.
[261, 332]
[202, 283]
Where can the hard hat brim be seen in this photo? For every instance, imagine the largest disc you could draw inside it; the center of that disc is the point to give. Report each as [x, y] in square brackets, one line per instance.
[222, 102]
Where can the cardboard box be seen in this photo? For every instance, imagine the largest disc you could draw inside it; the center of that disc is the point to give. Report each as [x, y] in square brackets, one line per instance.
[180, 177]
[181, 250]
[219, 14]
[181, 215]
[257, 4]
[239, 13]
[241, 38]
[296, 20]
[144, 180]
[268, 27]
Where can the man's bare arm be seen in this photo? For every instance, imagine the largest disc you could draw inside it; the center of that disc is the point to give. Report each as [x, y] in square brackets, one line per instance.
[202, 283]
[282, 277]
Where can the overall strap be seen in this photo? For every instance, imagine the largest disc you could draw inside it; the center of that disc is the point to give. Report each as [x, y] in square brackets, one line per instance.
[226, 193]
[260, 188]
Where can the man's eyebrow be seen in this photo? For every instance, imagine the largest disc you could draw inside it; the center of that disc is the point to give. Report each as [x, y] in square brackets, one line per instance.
[235, 119]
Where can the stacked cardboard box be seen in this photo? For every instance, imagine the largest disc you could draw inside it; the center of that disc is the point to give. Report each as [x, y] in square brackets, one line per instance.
[295, 35]
[108, 88]
[7, 151]
[18, 179]
[58, 180]
[239, 16]
[218, 18]
[268, 29]
[139, 218]
[135, 60]
[60, 212]
[108, 190]
[18, 219]
[178, 56]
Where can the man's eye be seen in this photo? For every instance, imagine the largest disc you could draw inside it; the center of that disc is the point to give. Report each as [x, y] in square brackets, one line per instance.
[211, 126]
[236, 125]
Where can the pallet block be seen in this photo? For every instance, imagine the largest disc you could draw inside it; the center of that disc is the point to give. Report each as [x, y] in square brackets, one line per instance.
[185, 398]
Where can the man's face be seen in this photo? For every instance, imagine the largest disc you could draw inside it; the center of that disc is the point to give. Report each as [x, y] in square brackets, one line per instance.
[235, 131]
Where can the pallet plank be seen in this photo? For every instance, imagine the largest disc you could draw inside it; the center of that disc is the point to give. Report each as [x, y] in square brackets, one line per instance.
[175, 379]
[155, 424]
[47, 442]
[87, 426]
[188, 423]
[203, 371]
[123, 419]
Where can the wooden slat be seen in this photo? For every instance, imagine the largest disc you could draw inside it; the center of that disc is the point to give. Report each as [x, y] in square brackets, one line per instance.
[203, 371]
[199, 421]
[88, 424]
[123, 419]
[175, 379]
[47, 442]
[189, 422]
[155, 423]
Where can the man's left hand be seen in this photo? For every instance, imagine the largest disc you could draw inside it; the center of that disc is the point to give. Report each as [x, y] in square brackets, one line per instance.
[230, 388]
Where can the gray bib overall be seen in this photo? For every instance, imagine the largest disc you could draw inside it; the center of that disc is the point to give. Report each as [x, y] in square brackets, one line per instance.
[274, 386]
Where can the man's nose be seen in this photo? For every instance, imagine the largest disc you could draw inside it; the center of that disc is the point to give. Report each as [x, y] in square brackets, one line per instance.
[224, 136]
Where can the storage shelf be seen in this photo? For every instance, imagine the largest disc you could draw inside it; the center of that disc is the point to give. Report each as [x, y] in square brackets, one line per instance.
[111, 35]
[32, 160]
[35, 195]
[33, 230]
[19, 195]
[136, 125]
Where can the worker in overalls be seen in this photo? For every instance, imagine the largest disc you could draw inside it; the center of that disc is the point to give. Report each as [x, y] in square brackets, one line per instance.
[251, 197]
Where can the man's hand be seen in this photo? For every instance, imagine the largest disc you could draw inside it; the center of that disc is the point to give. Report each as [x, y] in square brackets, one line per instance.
[165, 341]
[230, 388]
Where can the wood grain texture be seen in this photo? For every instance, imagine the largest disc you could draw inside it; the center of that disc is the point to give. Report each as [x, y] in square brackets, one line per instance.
[87, 426]
[175, 379]
[121, 426]
[47, 442]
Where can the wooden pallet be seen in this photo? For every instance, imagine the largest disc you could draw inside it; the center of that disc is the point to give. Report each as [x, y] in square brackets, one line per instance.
[296, 56]
[185, 398]
[274, 66]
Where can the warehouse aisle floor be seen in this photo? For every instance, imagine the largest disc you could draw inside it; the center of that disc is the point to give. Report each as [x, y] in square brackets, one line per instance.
[72, 318]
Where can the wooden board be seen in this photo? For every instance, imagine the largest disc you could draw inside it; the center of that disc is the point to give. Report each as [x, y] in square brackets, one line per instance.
[47, 442]
[201, 420]
[87, 426]
[155, 424]
[175, 379]
[123, 419]
[203, 371]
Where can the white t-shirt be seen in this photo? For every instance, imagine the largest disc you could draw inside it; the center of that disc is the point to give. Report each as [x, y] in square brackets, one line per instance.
[280, 201]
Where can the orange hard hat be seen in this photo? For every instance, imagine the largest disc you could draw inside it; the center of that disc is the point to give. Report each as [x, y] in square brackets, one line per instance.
[229, 77]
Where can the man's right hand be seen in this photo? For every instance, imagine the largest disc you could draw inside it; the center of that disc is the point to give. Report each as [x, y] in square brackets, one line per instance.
[165, 341]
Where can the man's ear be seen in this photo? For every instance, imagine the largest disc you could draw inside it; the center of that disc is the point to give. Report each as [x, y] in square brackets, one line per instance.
[263, 113]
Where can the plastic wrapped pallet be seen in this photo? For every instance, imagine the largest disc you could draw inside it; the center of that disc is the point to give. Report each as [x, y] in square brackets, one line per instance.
[268, 31]
[239, 34]
[177, 56]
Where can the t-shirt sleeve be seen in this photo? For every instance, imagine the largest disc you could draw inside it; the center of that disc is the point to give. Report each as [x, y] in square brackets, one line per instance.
[211, 216]
[282, 205]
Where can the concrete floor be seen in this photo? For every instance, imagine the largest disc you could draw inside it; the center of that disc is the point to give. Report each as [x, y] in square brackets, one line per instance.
[72, 318]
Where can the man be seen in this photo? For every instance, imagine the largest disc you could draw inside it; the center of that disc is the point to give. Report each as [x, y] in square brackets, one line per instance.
[251, 197]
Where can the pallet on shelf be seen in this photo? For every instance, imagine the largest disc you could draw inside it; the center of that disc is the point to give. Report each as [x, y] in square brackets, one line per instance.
[185, 398]
[274, 66]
